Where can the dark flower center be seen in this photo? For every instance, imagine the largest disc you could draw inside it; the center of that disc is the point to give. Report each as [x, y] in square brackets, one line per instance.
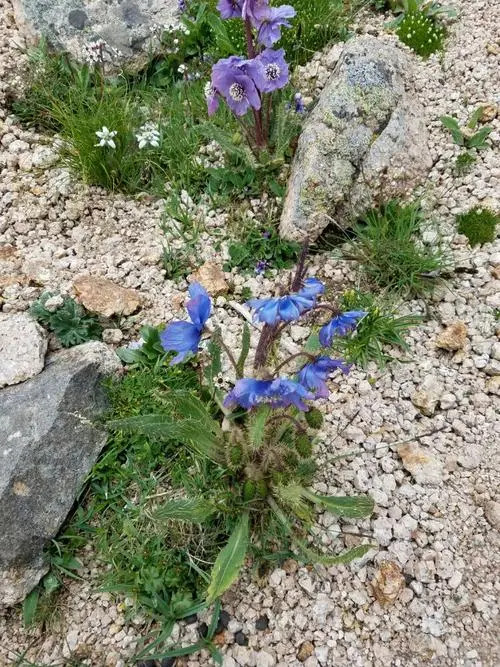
[237, 92]
[272, 71]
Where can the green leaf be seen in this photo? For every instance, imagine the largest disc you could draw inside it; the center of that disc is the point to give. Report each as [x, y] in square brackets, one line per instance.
[478, 139]
[474, 119]
[156, 425]
[30, 605]
[51, 583]
[184, 509]
[215, 365]
[452, 125]
[197, 437]
[257, 425]
[349, 506]
[230, 560]
[245, 348]
[191, 407]
[342, 559]
[312, 343]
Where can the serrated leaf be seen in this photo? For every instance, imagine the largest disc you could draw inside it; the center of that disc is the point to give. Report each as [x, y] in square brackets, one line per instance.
[230, 560]
[245, 348]
[312, 343]
[184, 509]
[342, 559]
[215, 365]
[195, 435]
[257, 425]
[191, 407]
[348, 506]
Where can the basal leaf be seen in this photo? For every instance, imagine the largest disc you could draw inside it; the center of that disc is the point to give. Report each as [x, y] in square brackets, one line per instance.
[30, 605]
[349, 506]
[230, 560]
[342, 559]
[257, 425]
[184, 509]
[156, 425]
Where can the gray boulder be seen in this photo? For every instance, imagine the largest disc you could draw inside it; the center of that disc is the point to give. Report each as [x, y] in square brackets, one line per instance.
[49, 441]
[124, 25]
[23, 344]
[364, 143]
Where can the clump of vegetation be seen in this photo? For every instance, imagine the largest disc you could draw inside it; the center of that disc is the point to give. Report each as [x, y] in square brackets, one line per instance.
[379, 330]
[469, 136]
[478, 225]
[464, 163]
[387, 247]
[261, 249]
[421, 33]
[71, 323]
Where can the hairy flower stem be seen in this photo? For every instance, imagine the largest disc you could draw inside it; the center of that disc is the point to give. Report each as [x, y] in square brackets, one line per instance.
[300, 428]
[310, 356]
[260, 139]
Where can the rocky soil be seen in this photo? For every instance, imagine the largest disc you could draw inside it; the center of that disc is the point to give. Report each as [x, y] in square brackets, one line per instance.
[426, 431]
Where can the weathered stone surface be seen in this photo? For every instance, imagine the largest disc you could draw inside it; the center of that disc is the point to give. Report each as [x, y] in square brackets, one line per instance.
[453, 337]
[427, 396]
[23, 344]
[49, 443]
[211, 276]
[388, 583]
[104, 297]
[364, 142]
[123, 24]
[422, 465]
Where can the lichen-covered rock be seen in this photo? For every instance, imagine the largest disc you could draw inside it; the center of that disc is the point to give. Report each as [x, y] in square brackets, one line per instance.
[364, 143]
[125, 25]
[50, 440]
[23, 344]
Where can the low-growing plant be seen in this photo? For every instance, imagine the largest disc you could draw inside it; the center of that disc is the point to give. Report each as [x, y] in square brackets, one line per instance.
[478, 224]
[429, 8]
[469, 136]
[257, 440]
[261, 249]
[464, 163]
[421, 33]
[387, 247]
[71, 323]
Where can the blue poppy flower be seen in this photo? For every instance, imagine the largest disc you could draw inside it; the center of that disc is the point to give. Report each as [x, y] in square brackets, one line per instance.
[279, 393]
[313, 375]
[340, 325]
[289, 307]
[248, 393]
[184, 337]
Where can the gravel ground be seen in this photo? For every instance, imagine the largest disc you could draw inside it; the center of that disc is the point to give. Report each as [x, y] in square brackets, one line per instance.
[427, 430]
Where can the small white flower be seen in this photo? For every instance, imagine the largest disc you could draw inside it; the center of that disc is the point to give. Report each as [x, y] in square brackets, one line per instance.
[105, 137]
[182, 68]
[148, 135]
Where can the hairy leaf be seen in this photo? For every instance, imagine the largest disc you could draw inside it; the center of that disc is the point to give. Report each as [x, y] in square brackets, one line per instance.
[230, 560]
[30, 605]
[157, 425]
[342, 559]
[452, 125]
[257, 425]
[349, 506]
[184, 509]
[245, 348]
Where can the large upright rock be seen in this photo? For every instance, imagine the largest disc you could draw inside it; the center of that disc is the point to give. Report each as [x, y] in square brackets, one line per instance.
[69, 24]
[48, 442]
[364, 143]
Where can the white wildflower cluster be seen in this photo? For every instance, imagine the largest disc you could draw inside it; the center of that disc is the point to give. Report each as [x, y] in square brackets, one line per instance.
[148, 135]
[97, 51]
[106, 137]
[169, 33]
[211, 156]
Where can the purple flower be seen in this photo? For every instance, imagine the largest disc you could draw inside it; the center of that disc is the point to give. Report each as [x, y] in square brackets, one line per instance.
[269, 20]
[250, 7]
[268, 70]
[212, 98]
[261, 266]
[279, 393]
[182, 5]
[340, 325]
[299, 103]
[230, 9]
[313, 375]
[184, 337]
[230, 80]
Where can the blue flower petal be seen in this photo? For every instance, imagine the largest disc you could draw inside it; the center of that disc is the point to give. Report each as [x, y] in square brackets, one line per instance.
[248, 393]
[181, 337]
[199, 306]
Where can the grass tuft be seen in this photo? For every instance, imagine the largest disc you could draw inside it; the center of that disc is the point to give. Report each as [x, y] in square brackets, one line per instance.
[478, 225]
[387, 247]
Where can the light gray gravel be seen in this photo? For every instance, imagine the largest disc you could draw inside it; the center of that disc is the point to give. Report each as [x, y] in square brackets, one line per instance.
[433, 470]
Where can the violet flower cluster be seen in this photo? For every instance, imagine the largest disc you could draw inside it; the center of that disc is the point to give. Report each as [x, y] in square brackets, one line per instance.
[242, 82]
[309, 382]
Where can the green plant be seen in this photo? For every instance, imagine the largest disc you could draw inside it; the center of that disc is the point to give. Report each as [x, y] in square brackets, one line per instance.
[429, 8]
[380, 329]
[386, 246]
[468, 136]
[70, 322]
[464, 163]
[478, 224]
[421, 33]
[261, 249]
